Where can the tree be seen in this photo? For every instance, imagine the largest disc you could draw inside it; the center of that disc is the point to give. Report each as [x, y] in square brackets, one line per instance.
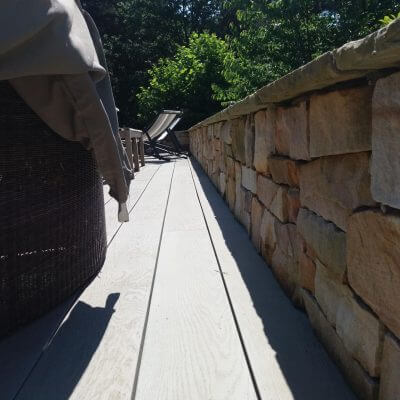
[274, 37]
[137, 33]
[186, 80]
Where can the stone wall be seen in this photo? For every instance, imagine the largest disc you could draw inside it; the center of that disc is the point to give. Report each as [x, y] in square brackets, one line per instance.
[316, 183]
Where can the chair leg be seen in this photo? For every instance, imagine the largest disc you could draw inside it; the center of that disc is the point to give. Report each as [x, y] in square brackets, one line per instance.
[141, 151]
[135, 154]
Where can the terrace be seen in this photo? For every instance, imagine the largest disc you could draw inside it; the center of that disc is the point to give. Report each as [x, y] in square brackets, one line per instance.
[184, 308]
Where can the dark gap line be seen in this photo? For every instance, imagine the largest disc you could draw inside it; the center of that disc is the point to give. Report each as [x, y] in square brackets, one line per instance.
[241, 338]
[133, 206]
[75, 299]
[144, 332]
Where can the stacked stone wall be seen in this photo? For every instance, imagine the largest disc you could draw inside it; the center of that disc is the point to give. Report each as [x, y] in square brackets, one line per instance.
[316, 184]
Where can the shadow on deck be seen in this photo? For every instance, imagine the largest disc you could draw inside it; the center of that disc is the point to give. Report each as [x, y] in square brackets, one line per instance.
[184, 309]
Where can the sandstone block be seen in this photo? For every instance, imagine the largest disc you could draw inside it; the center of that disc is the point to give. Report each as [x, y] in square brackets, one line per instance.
[249, 140]
[365, 387]
[329, 293]
[238, 140]
[217, 145]
[222, 158]
[293, 204]
[373, 263]
[268, 235]
[326, 240]
[334, 186]
[390, 375]
[265, 123]
[285, 270]
[240, 194]
[286, 238]
[228, 150]
[257, 211]
[231, 193]
[340, 122]
[274, 197]
[217, 130]
[282, 134]
[307, 271]
[226, 132]
[222, 183]
[241, 207]
[248, 205]
[292, 131]
[249, 179]
[284, 170]
[385, 167]
[361, 332]
[230, 167]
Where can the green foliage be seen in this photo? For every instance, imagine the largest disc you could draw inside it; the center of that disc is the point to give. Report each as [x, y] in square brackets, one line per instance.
[185, 81]
[388, 19]
[274, 37]
[263, 40]
[137, 33]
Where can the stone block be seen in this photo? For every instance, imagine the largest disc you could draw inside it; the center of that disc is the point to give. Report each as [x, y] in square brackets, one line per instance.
[329, 293]
[334, 186]
[226, 132]
[340, 122]
[284, 170]
[285, 270]
[230, 167]
[228, 151]
[390, 374]
[373, 256]
[286, 238]
[249, 179]
[268, 235]
[385, 166]
[307, 271]
[361, 333]
[326, 240]
[364, 386]
[293, 204]
[274, 197]
[217, 130]
[222, 183]
[240, 194]
[265, 125]
[257, 211]
[222, 166]
[217, 145]
[231, 193]
[292, 137]
[249, 140]
[282, 134]
[248, 201]
[238, 139]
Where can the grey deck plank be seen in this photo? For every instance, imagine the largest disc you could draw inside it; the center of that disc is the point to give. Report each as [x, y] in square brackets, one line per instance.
[287, 360]
[20, 352]
[137, 187]
[192, 349]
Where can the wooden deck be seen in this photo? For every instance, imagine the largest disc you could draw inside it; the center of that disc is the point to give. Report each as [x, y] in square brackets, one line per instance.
[184, 309]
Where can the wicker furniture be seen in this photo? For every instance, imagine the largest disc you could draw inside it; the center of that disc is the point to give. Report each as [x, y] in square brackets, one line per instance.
[52, 227]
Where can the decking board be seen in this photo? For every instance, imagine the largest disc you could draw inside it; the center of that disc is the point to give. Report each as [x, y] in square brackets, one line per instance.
[20, 352]
[137, 187]
[192, 349]
[287, 360]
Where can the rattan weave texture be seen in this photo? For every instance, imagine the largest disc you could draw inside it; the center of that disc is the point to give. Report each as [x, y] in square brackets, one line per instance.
[52, 226]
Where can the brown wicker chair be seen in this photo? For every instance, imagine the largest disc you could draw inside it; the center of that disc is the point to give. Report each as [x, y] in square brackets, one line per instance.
[52, 227]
